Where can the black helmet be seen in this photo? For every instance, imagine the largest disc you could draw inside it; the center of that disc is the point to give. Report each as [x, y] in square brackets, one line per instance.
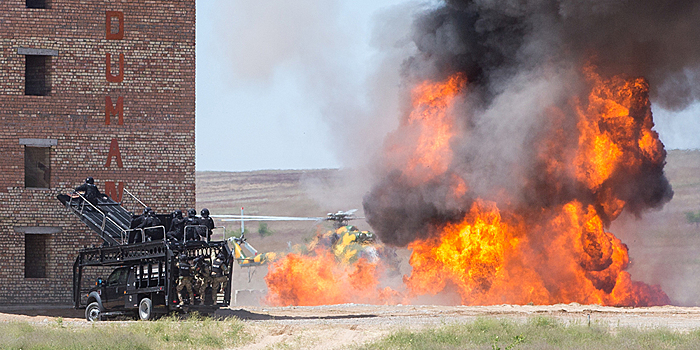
[147, 210]
[151, 212]
[182, 257]
[177, 213]
[205, 213]
[191, 212]
[90, 180]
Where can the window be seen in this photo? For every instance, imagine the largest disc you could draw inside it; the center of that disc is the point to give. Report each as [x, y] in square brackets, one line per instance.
[37, 4]
[37, 167]
[35, 255]
[37, 80]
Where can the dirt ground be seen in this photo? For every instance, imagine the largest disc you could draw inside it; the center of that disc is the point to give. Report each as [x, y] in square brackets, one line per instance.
[338, 326]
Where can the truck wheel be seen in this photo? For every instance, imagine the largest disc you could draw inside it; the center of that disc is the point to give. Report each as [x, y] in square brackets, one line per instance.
[92, 312]
[146, 309]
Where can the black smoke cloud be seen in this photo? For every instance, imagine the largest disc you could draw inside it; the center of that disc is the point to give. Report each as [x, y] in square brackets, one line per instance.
[486, 39]
[521, 59]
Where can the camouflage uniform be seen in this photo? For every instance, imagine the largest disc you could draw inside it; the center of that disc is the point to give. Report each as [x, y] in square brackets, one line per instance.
[185, 280]
[214, 276]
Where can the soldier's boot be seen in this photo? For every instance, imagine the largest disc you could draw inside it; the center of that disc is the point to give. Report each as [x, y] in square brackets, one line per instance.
[182, 299]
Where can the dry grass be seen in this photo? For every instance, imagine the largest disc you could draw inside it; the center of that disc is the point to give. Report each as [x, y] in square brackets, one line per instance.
[166, 333]
[536, 333]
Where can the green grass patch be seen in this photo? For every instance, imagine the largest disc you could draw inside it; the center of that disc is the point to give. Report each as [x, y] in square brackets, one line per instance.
[536, 333]
[166, 333]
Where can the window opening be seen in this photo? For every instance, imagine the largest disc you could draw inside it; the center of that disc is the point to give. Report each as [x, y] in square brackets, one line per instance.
[35, 255]
[37, 80]
[37, 167]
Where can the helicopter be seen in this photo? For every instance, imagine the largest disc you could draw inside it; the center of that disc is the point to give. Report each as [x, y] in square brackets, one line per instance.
[346, 242]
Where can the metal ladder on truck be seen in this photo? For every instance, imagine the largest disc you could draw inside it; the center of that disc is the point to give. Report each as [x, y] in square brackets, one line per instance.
[109, 219]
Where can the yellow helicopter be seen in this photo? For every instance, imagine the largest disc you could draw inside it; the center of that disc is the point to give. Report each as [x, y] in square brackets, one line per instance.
[345, 241]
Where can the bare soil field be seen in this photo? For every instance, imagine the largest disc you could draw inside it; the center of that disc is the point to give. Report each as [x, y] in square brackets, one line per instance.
[341, 326]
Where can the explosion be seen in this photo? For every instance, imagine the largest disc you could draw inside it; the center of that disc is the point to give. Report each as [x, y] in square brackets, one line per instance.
[320, 279]
[527, 130]
[551, 250]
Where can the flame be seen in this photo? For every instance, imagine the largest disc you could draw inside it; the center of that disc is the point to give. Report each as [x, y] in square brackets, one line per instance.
[321, 280]
[562, 253]
[432, 124]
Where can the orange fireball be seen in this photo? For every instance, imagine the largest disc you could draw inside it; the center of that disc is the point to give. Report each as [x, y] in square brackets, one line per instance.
[559, 253]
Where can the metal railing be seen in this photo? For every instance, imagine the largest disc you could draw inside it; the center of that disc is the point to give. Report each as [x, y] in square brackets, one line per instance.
[143, 233]
[196, 228]
[138, 201]
[124, 233]
[104, 216]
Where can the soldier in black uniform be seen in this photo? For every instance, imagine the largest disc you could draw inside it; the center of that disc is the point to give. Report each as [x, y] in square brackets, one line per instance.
[219, 270]
[136, 222]
[151, 220]
[91, 192]
[207, 221]
[177, 225]
[191, 233]
[185, 278]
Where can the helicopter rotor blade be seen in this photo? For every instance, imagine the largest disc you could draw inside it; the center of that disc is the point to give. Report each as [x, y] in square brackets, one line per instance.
[262, 218]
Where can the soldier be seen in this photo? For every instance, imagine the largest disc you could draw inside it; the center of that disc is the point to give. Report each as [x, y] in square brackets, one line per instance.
[177, 226]
[219, 271]
[185, 278]
[91, 192]
[208, 222]
[136, 222]
[201, 274]
[151, 220]
[191, 233]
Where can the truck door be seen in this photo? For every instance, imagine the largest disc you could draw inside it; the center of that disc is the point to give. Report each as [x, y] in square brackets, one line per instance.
[114, 289]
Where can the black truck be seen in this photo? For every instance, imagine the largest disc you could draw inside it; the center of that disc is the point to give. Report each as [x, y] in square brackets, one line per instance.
[144, 279]
[143, 276]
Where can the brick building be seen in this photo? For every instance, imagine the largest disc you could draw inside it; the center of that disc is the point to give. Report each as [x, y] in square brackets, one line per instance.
[88, 88]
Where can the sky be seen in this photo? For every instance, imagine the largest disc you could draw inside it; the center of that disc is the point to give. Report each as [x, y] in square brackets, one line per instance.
[281, 83]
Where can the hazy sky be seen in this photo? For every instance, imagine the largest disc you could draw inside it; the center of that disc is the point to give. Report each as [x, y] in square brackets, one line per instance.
[278, 80]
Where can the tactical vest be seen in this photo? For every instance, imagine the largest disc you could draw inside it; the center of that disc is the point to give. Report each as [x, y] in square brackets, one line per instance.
[216, 268]
[184, 269]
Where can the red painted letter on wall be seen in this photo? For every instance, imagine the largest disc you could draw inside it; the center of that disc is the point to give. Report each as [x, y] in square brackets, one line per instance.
[114, 152]
[108, 25]
[108, 70]
[114, 192]
[111, 110]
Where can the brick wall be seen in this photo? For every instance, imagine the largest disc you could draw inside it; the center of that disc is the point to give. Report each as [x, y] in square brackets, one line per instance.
[152, 152]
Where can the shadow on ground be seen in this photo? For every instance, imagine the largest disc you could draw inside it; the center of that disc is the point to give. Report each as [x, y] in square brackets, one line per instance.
[42, 310]
[252, 316]
[69, 312]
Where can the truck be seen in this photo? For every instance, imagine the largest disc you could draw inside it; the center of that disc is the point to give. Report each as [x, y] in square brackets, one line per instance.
[142, 276]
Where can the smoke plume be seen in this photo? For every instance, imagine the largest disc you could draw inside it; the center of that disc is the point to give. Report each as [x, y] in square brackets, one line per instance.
[528, 67]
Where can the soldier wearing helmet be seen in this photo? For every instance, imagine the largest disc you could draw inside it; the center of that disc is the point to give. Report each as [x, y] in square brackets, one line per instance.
[185, 278]
[91, 192]
[215, 276]
[149, 224]
[191, 223]
[137, 222]
[207, 221]
[177, 226]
